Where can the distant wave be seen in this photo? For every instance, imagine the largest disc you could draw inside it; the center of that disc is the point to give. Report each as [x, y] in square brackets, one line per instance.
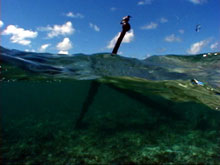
[205, 67]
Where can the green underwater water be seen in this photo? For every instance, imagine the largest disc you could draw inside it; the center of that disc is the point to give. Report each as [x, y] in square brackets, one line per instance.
[125, 124]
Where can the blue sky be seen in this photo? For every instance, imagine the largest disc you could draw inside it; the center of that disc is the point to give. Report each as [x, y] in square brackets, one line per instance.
[91, 26]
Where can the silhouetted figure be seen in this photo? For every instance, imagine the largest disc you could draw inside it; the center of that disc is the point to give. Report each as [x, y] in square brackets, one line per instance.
[125, 27]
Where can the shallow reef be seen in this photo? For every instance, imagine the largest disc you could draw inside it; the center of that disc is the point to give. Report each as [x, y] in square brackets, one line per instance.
[130, 121]
[103, 109]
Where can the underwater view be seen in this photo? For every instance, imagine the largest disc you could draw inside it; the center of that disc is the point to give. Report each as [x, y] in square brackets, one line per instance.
[76, 110]
[110, 82]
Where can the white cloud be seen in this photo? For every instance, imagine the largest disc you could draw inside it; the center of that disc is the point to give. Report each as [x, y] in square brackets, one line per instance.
[152, 25]
[161, 50]
[172, 38]
[120, 53]
[95, 27]
[214, 46]
[19, 35]
[65, 29]
[198, 2]
[129, 36]
[113, 8]
[74, 15]
[1, 23]
[64, 46]
[181, 31]
[56, 30]
[147, 56]
[145, 2]
[113, 41]
[44, 47]
[28, 50]
[197, 47]
[63, 52]
[163, 20]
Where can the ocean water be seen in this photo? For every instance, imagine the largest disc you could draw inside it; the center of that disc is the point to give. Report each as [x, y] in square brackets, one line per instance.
[135, 111]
